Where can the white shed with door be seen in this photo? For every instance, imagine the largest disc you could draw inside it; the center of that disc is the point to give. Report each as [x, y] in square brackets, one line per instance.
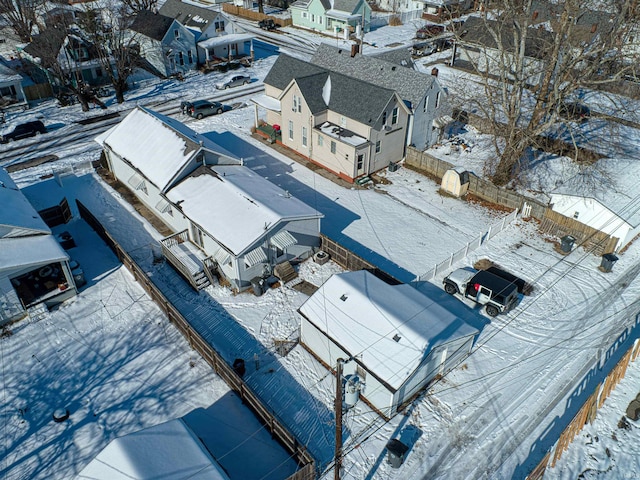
[395, 338]
[455, 181]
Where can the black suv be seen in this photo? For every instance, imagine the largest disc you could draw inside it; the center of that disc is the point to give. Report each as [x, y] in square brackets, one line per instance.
[24, 130]
[201, 108]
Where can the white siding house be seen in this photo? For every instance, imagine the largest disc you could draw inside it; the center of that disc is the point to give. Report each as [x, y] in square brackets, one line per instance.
[610, 209]
[34, 268]
[165, 43]
[228, 220]
[395, 338]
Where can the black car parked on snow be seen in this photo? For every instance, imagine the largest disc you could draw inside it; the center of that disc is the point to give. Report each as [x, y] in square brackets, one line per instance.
[24, 130]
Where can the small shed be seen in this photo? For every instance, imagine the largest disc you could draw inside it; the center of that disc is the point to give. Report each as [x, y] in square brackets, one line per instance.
[396, 339]
[455, 181]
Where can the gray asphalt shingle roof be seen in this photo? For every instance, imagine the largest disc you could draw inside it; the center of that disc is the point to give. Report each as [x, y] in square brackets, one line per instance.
[410, 84]
[188, 14]
[286, 68]
[354, 98]
[153, 25]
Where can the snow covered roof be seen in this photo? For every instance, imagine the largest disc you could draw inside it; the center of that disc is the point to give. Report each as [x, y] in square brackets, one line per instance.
[8, 75]
[390, 328]
[16, 211]
[611, 182]
[157, 146]
[169, 451]
[267, 102]
[35, 250]
[235, 205]
[225, 40]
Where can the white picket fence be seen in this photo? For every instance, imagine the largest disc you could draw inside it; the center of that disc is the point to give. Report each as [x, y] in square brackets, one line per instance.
[474, 244]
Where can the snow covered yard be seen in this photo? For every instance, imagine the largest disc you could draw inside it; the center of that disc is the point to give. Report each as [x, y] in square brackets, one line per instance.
[108, 357]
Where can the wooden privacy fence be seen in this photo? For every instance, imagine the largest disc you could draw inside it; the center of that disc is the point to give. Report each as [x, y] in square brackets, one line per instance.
[477, 186]
[591, 239]
[277, 428]
[255, 16]
[38, 91]
[587, 412]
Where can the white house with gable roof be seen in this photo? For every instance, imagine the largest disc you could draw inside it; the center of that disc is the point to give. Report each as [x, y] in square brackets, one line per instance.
[605, 203]
[393, 337]
[228, 220]
[34, 268]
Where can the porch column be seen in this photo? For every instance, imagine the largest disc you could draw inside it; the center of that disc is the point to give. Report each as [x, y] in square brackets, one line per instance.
[255, 114]
[251, 50]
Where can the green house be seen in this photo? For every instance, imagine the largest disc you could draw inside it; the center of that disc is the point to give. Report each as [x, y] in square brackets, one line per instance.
[331, 16]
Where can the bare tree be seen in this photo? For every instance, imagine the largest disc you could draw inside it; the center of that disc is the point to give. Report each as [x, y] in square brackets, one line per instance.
[115, 44]
[135, 6]
[534, 62]
[21, 15]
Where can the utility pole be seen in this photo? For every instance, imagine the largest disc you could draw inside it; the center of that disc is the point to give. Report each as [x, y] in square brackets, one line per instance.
[338, 409]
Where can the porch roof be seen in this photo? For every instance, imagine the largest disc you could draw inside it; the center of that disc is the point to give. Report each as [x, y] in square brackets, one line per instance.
[30, 251]
[340, 15]
[267, 102]
[225, 40]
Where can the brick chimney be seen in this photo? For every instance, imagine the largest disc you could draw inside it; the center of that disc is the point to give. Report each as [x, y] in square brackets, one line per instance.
[355, 48]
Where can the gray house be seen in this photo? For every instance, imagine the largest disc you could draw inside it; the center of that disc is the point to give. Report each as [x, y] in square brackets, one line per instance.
[165, 43]
[34, 267]
[216, 36]
[230, 222]
[347, 126]
[422, 93]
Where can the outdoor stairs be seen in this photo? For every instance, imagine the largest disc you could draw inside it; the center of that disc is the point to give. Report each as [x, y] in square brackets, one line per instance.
[201, 280]
[285, 272]
[37, 312]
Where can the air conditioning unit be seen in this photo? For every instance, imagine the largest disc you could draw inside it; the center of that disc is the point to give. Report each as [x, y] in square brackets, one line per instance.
[321, 257]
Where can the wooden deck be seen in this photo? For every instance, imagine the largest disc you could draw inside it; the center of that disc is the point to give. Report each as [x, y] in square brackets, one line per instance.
[189, 255]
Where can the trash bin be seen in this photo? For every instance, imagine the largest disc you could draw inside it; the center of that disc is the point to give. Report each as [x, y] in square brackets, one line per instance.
[238, 366]
[257, 284]
[396, 450]
[608, 259]
[78, 277]
[566, 243]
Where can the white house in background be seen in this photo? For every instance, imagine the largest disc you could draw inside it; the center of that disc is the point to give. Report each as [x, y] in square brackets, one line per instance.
[11, 91]
[442, 9]
[34, 268]
[394, 338]
[228, 220]
[611, 208]
[165, 43]
[422, 93]
[216, 36]
[170, 451]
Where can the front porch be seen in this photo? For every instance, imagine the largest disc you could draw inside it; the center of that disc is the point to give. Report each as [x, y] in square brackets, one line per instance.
[274, 135]
[189, 260]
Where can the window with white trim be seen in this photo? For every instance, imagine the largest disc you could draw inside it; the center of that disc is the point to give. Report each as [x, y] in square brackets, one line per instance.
[426, 104]
[333, 146]
[190, 57]
[297, 104]
[304, 136]
[394, 116]
[437, 99]
[320, 140]
[343, 122]
[290, 130]
[378, 146]
[180, 58]
[304, 14]
[384, 118]
[360, 161]
[176, 33]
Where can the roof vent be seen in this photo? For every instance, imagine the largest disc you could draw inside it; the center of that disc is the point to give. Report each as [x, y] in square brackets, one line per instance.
[396, 338]
[344, 297]
[393, 68]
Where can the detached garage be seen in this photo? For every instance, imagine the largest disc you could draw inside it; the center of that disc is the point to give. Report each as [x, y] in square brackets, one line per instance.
[395, 338]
